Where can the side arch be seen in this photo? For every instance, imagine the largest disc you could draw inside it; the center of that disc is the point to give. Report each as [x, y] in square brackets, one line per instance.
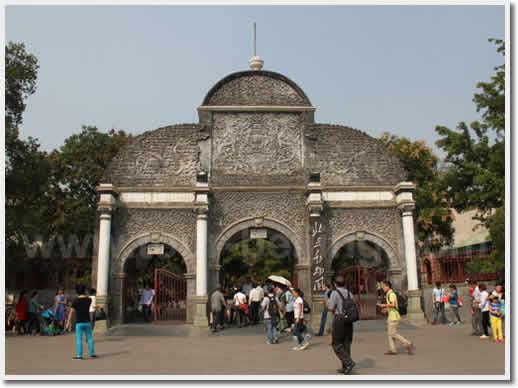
[269, 223]
[180, 247]
[394, 260]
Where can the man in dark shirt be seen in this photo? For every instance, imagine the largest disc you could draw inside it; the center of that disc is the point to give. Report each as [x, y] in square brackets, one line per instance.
[82, 308]
[342, 332]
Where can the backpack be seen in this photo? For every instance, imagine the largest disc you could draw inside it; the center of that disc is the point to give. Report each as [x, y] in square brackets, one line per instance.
[273, 309]
[305, 307]
[350, 308]
[401, 303]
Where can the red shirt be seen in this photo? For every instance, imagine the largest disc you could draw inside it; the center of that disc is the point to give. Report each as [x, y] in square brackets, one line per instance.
[21, 309]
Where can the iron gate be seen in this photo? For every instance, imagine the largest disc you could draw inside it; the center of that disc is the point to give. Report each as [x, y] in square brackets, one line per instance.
[363, 282]
[130, 299]
[170, 300]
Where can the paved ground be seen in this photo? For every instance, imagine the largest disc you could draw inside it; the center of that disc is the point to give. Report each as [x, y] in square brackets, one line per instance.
[154, 349]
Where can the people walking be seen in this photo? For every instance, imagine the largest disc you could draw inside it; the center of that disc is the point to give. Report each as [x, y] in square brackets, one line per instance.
[438, 294]
[342, 331]
[393, 318]
[218, 306]
[146, 301]
[299, 328]
[325, 311]
[288, 304]
[83, 326]
[484, 308]
[454, 304]
[93, 306]
[495, 311]
[270, 308]
[21, 314]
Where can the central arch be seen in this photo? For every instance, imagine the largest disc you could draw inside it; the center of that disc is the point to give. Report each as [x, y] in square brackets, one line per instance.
[250, 223]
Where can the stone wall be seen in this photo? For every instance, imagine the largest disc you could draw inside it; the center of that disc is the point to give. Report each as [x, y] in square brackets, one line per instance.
[346, 156]
[257, 149]
[165, 156]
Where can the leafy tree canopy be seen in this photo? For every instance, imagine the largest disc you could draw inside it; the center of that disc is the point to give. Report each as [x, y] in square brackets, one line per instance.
[434, 217]
[475, 176]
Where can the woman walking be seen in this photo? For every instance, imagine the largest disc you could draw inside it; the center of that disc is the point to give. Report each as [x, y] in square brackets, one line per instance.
[454, 304]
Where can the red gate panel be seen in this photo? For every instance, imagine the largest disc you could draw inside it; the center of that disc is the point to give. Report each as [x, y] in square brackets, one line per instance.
[363, 282]
[170, 301]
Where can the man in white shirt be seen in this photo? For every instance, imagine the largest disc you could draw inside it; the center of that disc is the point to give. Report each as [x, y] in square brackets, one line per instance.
[438, 304]
[93, 306]
[146, 300]
[476, 318]
[256, 296]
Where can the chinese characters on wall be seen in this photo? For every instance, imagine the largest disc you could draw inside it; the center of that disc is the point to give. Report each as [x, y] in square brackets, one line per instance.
[318, 254]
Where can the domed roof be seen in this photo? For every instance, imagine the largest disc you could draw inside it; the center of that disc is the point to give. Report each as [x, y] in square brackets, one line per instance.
[256, 88]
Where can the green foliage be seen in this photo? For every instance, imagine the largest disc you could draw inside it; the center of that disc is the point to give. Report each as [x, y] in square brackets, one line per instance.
[434, 217]
[257, 259]
[475, 176]
[78, 169]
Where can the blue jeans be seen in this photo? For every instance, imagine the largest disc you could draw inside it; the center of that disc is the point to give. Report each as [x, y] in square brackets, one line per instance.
[84, 327]
[269, 328]
[298, 332]
[323, 322]
[436, 312]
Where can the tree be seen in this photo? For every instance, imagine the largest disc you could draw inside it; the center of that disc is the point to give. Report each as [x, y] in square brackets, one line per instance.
[475, 177]
[78, 167]
[434, 217]
[26, 167]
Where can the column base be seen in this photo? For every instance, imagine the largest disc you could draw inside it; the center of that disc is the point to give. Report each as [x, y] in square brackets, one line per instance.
[415, 315]
[200, 311]
[101, 327]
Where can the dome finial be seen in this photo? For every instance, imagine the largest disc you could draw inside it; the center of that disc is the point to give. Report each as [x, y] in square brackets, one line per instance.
[255, 63]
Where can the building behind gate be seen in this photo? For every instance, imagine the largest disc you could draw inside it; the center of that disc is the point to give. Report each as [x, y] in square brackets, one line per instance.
[256, 162]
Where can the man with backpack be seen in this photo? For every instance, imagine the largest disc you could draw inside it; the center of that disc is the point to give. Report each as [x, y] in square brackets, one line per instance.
[342, 304]
[393, 319]
[271, 316]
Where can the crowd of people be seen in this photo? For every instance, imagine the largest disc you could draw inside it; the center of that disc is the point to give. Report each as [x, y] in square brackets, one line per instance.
[281, 308]
[487, 308]
[31, 317]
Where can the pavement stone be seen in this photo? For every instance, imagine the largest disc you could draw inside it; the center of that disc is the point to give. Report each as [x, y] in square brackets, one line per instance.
[175, 350]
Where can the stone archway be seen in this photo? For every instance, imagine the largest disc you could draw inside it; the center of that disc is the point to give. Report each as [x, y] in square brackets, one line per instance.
[339, 243]
[229, 233]
[268, 223]
[119, 276]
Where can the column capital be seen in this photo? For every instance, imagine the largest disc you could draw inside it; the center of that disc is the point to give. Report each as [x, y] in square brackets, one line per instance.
[215, 267]
[407, 208]
[201, 211]
[105, 211]
[189, 275]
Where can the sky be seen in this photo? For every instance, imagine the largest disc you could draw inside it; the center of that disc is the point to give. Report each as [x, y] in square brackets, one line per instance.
[401, 69]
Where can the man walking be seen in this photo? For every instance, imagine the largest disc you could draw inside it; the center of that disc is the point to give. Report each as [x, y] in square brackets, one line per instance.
[342, 332]
[256, 296]
[218, 305]
[324, 310]
[391, 307]
[146, 301]
[82, 306]
[271, 315]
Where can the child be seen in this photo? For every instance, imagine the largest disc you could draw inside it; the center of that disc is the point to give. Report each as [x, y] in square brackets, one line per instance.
[495, 310]
[68, 314]
[454, 304]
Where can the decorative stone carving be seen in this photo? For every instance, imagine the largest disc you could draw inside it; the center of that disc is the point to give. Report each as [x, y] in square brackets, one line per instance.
[180, 223]
[347, 156]
[256, 88]
[257, 145]
[385, 223]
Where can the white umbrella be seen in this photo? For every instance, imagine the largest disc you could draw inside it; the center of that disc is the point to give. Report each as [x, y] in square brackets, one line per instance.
[279, 279]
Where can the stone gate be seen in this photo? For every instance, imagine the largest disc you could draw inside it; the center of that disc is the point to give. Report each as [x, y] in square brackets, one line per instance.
[255, 159]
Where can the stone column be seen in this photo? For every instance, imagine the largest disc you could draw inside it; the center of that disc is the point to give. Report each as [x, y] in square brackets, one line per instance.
[105, 209]
[200, 318]
[317, 248]
[406, 204]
